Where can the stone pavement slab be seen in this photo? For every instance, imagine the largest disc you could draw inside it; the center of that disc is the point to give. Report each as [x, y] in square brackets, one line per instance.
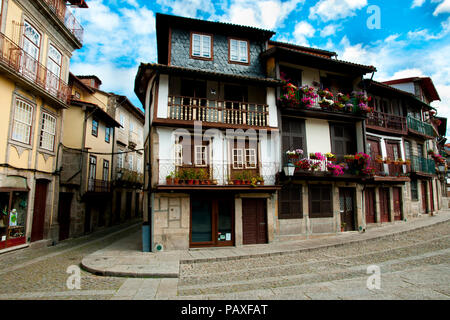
[125, 257]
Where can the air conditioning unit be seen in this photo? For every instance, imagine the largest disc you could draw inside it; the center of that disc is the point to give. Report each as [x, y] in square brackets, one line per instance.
[159, 247]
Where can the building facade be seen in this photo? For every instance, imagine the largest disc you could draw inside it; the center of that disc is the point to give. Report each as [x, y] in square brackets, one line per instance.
[37, 39]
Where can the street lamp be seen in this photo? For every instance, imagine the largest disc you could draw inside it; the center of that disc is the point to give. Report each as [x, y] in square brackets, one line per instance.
[289, 170]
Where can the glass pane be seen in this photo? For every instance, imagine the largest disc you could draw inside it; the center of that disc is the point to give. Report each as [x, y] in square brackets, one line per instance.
[201, 221]
[18, 215]
[224, 225]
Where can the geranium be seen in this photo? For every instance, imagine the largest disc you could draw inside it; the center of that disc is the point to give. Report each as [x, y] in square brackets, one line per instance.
[308, 102]
[317, 156]
[304, 164]
[330, 156]
[327, 94]
[338, 170]
[344, 98]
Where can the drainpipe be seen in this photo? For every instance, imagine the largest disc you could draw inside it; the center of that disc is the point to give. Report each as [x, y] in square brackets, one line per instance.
[112, 172]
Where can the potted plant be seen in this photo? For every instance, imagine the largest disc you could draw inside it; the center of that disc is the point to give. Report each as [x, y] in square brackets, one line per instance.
[237, 178]
[260, 180]
[190, 176]
[343, 224]
[169, 178]
[330, 157]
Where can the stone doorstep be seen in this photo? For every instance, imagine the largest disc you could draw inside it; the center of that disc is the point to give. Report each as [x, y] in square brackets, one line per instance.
[22, 246]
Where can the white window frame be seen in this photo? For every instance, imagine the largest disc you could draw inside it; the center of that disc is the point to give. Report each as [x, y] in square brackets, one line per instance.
[242, 51]
[48, 132]
[122, 121]
[52, 66]
[130, 162]
[196, 37]
[30, 67]
[250, 154]
[105, 166]
[178, 149]
[23, 123]
[200, 156]
[120, 159]
[238, 158]
[139, 165]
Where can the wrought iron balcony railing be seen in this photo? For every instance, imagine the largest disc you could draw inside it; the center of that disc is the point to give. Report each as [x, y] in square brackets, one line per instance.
[60, 9]
[387, 121]
[99, 186]
[423, 165]
[227, 112]
[420, 126]
[25, 65]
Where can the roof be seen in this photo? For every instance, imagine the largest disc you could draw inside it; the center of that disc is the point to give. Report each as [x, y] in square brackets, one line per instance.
[76, 79]
[368, 83]
[425, 82]
[165, 21]
[97, 111]
[304, 58]
[302, 48]
[78, 3]
[146, 70]
[90, 77]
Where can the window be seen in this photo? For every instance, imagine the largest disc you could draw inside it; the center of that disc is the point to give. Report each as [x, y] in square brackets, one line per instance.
[54, 63]
[92, 167]
[130, 162]
[238, 51]
[250, 158]
[293, 135]
[320, 201]
[131, 126]
[201, 46]
[291, 205]
[122, 121]
[407, 150]
[77, 95]
[342, 140]
[414, 192]
[200, 156]
[48, 131]
[95, 127]
[139, 165]
[238, 159]
[105, 170]
[23, 117]
[107, 134]
[31, 45]
[178, 154]
[120, 159]
[292, 75]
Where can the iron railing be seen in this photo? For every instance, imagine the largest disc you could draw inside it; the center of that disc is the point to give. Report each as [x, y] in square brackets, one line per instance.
[420, 126]
[22, 63]
[221, 171]
[219, 111]
[424, 165]
[69, 20]
[387, 121]
[99, 186]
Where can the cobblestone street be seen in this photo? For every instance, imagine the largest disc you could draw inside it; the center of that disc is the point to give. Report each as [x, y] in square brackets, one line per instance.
[414, 265]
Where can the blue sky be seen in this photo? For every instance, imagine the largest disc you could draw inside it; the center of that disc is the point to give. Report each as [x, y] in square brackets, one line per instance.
[413, 38]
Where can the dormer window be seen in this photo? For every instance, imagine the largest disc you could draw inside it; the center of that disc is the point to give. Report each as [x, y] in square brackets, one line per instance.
[201, 46]
[238, 51]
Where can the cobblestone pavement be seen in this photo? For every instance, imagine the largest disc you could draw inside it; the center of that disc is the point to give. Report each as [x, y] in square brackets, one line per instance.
[41, 273]
[414, 265]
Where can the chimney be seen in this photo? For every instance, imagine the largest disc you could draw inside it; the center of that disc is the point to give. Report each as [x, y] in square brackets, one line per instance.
[91, 81]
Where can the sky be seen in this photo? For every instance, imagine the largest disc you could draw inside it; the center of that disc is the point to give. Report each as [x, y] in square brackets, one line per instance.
[401, 38]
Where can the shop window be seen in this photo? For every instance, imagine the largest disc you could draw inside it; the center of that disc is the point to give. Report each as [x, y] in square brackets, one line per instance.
[13, 216]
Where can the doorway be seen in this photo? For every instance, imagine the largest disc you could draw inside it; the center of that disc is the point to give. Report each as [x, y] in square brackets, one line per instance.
[212, 221]
[40, 199]
[65, 202]
[424, 197]
[347, 208]
[431, 196]
[384, 204]
[254, 221]
[370, 205]
[397, 197]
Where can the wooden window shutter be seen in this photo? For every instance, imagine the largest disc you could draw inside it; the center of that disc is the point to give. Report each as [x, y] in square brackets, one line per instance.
[291, 205]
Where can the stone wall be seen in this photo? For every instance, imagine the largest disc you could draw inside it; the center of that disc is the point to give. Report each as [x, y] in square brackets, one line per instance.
[180, 55]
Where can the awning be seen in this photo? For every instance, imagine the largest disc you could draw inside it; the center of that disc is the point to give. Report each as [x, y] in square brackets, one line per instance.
[13, 182]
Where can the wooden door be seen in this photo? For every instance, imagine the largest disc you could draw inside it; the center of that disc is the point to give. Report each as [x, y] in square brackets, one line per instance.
[65, 201]
[424, 196]
[431, 196]
[393, 153]
[40, 198]
[254, 221]
[370, 205]
[396, 193]
[384, 204]
[346, 202]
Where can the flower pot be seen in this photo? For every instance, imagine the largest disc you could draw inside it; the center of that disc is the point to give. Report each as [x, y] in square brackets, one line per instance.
[208, 182]
[237, 182]
[196, 181]
[176, 181]
[191, 181]
[169, 180]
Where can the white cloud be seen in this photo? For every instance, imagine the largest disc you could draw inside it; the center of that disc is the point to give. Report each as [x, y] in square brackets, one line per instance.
[407, 73]
[328, 10]
[187, 8]
[302, 31]
[417, 3]
[329, 30]
[443, 7]
[424, 34]
[268, 14]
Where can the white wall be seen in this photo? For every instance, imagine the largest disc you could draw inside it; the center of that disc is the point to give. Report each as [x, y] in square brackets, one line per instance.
[408, 87]
[272, 103]
[163, 96]
[317, 135]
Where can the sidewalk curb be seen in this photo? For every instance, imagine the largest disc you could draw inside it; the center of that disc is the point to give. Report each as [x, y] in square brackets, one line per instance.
[106, 273]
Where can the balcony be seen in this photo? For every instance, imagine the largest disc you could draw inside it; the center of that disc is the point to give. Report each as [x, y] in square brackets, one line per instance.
[133, 139]
[422, 165]
[59, 8]
[218, 174]
[387, 123]
[27, 67]
[395, 170]
[128, 177]
[419, 127]
[98, 186]
[215, 111]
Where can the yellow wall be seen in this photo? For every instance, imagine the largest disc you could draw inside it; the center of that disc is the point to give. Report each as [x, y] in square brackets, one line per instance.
[73, 127]
[98, 98]
[6, 89]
